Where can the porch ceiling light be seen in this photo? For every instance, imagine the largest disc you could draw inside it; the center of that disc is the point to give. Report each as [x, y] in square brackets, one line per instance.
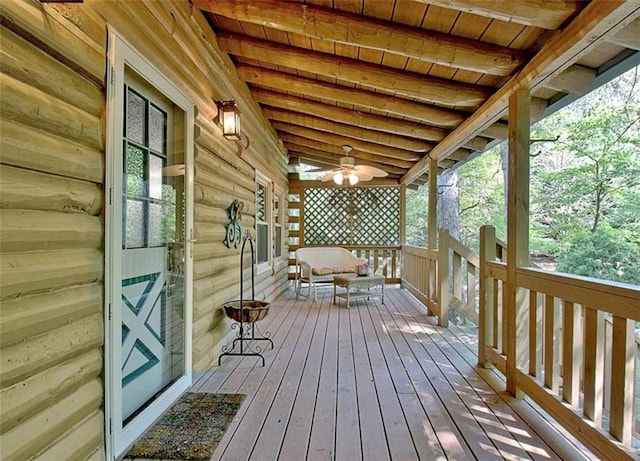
[350, 171]
[229, 119]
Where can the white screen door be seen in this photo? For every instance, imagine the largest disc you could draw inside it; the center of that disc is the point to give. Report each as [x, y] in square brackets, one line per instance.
[149, 254]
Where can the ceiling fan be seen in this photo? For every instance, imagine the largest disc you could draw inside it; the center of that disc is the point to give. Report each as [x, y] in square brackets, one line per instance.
[352, 172]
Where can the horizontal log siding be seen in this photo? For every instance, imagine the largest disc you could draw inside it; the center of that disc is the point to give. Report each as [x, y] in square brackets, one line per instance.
[52, 167]
[51, 249]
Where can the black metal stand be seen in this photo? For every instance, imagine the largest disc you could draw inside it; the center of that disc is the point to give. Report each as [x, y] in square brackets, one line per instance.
[246, 313]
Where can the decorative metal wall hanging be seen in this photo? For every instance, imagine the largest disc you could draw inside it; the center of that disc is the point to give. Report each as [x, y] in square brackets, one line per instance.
[233, 236]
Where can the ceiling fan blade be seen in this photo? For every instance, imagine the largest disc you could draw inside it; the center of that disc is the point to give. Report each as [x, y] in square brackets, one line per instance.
[363, 177]
[321, 170]
[371, 171]
[328, 177]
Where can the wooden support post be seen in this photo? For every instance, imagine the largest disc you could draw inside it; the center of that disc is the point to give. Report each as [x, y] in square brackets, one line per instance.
[517, 231]
[485, 318]
[443, 275]
[622, 375]
[403, 214]
[432, 226]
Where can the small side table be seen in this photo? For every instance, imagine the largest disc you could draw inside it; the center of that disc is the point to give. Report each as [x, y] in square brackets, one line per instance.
[361, 284]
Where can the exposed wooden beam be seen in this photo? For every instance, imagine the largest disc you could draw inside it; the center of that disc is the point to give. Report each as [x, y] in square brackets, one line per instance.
[266, 78]
[336, 148]
[352, 117]
[576, 79]
[416, 111]
[279, 117]
[341, 27]
[629, 37]
[375, 182]
[366, 146]
[408, 84]
[546, 14]
[598, 20]
[333, 159]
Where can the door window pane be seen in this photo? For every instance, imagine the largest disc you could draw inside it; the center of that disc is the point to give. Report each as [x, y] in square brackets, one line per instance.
[155, 176]
[134, 170]
[134, 224]
[135, 121]
[157, 130]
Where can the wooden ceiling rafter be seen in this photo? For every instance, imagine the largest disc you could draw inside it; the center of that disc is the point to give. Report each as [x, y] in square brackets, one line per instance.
[352, 29]
[393, 153]
[279, 117]
[384, 78]
[417, 111]
[328, 145]
[359, 119]
[544, 14]
[428, 89]
[331, 161]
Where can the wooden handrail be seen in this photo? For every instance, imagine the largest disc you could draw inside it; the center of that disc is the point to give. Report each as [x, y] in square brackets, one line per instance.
[567, 313]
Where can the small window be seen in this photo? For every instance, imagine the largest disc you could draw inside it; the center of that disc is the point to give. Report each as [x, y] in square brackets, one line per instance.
[263, 241]
[278, 218]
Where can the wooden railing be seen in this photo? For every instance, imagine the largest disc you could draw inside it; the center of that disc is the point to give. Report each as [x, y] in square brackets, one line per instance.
[561, 347]
[419, 275]
[384, 258]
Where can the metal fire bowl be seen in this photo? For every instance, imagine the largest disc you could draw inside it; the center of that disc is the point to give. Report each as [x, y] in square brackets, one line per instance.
[252, 310]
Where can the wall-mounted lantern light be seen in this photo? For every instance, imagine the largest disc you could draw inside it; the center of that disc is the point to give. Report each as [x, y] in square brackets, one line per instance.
[229, 118]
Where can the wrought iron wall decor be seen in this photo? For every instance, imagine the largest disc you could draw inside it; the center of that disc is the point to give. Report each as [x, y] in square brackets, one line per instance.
[352, 216]
[233, 236]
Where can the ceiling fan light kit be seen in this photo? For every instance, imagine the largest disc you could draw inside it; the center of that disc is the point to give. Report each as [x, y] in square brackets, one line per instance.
[352, 172]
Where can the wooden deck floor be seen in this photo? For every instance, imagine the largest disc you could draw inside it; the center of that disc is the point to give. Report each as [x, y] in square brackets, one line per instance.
[374, 382]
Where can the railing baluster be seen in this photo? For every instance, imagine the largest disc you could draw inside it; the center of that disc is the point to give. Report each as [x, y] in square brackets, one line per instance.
[457, 275]
[394, 255]
[571, 346]
[551, 352]
[593, 364]
[622, 379]
[471, 287]
[535, 333]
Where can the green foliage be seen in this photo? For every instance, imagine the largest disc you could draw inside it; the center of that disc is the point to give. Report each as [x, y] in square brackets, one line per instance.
[584, 189]
[607, 254]
[416, 227]
[481, 197]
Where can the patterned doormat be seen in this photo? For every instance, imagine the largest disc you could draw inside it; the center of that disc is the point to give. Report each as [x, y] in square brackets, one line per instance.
[191, 429]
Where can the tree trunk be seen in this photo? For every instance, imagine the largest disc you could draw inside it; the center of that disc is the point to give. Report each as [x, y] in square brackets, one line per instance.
[448, 203]
[504, 159]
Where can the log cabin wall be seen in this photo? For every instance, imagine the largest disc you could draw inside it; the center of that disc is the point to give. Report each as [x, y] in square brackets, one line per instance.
[52, 169]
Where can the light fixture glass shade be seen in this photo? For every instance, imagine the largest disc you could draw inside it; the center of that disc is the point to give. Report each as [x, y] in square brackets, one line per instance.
[353, 179]
[229, 118]
[338, 178]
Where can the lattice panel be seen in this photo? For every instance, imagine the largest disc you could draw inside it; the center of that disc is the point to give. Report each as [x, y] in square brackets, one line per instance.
[352, 216]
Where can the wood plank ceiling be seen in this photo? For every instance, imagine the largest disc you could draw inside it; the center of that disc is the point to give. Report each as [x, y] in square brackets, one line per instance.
[400, 80]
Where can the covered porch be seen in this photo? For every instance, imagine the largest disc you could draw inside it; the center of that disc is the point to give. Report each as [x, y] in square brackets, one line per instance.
[376, 382]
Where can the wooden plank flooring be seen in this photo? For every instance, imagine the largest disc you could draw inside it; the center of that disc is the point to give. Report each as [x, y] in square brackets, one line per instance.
[374, 382]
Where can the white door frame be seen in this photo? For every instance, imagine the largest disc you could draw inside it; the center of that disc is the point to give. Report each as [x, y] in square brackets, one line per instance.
[121, 55]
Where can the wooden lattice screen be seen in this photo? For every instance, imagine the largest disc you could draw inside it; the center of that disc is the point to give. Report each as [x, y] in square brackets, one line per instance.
[352, 216]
